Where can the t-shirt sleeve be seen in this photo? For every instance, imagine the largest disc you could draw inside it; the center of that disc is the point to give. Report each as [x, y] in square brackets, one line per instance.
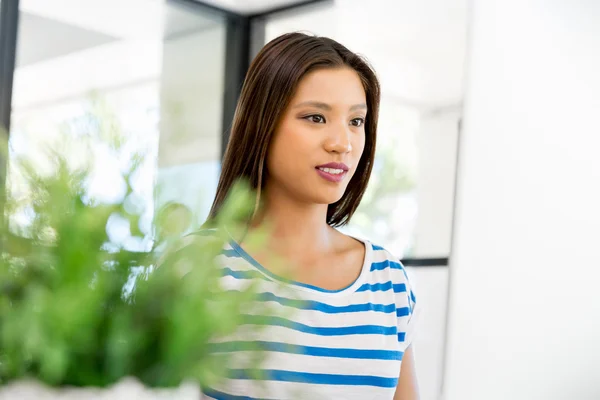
[407, 307]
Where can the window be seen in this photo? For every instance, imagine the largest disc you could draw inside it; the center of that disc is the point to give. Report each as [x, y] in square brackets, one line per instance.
[158, 69]
[418, 54]
[151, 72]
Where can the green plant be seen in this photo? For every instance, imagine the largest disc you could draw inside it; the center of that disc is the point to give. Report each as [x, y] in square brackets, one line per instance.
[77, 309]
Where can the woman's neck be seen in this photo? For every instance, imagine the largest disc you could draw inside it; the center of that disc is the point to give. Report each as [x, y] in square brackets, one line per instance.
[294, 226]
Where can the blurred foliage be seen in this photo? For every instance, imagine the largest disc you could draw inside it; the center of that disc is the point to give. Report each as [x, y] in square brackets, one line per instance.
[77, 309]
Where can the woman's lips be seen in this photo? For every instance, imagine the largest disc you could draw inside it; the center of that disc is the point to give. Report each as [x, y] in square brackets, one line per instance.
[332, 174]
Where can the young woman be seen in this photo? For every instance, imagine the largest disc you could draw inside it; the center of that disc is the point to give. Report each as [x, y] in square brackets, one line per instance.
[304, 137]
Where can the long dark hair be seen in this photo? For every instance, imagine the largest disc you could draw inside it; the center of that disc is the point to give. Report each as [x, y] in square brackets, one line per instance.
[269, 85]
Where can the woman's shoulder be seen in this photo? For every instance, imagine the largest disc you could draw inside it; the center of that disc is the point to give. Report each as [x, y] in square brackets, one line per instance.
[386, 262]
[382, 254]
[390, 267]
[204, 238]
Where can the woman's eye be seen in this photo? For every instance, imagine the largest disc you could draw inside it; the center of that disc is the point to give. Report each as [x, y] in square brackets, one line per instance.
[357, 122]
[317, 119]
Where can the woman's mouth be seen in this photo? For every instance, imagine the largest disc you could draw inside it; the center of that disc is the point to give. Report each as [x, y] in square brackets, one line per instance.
[332, 172]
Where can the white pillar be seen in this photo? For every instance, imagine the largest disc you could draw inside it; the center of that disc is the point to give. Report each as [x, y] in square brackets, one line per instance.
[524, 318]
[437, 144]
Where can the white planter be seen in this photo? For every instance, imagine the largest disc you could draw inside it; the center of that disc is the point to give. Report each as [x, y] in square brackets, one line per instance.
[127, 389]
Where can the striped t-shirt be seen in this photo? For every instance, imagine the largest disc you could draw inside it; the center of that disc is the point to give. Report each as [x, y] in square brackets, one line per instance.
[322, 344]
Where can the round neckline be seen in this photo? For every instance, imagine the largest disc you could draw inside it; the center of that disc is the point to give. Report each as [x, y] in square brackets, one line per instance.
[305, 287]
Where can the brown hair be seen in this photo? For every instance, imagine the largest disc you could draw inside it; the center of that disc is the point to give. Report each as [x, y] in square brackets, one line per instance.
[268, 88]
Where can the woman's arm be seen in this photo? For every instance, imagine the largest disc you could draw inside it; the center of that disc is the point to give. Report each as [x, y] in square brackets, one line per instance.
[407, 384]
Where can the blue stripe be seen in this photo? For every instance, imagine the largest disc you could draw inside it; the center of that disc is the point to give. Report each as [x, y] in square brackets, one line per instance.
[366, 354]
[326, 308]
[402, 312]
[224, 396]
[399, 288]
[242, 274]
[321, 331]
[381, 265]
[323, 379]
[401, 336]
[230, 253]
[377, 247]
[412, 297]
[383, 287]
[241, 252]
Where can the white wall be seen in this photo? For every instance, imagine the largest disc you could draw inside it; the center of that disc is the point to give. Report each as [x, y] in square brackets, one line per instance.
[524, 304]
[437, 145]
[431, 288]
[437, 142]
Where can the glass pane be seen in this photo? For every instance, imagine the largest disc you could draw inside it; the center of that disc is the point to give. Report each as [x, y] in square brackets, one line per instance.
[418, 55]
[192, 88]
[151, 72]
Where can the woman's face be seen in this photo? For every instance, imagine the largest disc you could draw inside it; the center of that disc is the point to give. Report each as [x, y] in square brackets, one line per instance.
[320, 138]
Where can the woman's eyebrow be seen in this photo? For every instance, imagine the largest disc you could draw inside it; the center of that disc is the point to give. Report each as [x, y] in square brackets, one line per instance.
[361, 106]
[327, 107]
[317, 104]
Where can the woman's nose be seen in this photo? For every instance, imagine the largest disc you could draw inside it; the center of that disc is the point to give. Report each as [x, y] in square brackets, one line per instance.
[339, 141]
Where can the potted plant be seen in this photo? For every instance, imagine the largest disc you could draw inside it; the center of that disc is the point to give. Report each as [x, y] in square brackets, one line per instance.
[82, 317]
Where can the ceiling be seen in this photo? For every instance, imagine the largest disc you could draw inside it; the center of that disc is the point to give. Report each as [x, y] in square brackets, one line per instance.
[59, 39]
[75, 22]
[247, 7]
[69, 47]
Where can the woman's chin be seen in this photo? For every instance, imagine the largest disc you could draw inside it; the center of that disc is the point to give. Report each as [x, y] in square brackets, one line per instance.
[329, 198]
